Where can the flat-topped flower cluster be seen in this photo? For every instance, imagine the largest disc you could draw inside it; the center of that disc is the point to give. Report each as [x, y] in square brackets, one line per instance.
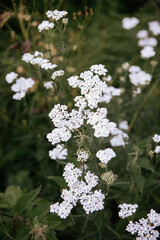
[78, 190]
[20, 86]
[127, 210]
[54, 16]
[145, 228]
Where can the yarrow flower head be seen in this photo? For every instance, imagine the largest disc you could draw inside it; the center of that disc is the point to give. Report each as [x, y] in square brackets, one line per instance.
[57, 74]
[154, 27]
[152, 42]
[157, 149]
[127, 210]
[37, 59]
[144, 228]
[156, 138]
[56, 15]
[21, 86]
[142, 34]
[123, 125]
[45, 25]
[139, 77]
[10, 77]
[99, 69]
[82, 155]
[48, 84]
[129, 23]
[147, 52]
[105, 155]
[78, 190]
[59, 152]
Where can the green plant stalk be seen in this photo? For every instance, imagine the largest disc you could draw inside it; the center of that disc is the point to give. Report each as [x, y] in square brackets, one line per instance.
[141, 105]
[21, 24]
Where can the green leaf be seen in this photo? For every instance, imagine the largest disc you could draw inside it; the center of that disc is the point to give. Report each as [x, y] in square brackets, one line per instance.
[52, 220]
[59, 180]
[25, 200]
[41, 210]
[140, 183]
[5, 201]
[23, 233]
[145, 163]
[15, 192]
[10, 197]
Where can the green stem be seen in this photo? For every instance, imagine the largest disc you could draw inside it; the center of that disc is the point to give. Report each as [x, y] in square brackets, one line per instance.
[85, 224]
[141, 105]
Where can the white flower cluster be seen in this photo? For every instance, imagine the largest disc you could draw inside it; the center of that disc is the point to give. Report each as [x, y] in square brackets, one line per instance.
[139, 77]
[78, 190]
[127, 210]
[129, 23]
[147, 52]
[156, 138]
[82, 155]
[10, 77]
[45, 25]
[152, 42]
[48, 84]
[99, 122]
[154, 27]
[68, 122]
[105, 155]
[58, 135]
[57, 74]
[142, 34]
[144, 228]
[93, 89]
[37, 59]
[59, 152]
[119, 135]
[56, 15]
[157, 149]
[123, 125]
[20, 86]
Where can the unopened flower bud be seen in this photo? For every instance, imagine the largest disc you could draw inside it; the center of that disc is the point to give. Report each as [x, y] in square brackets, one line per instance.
[109, 177]
[65, 21]
[102, 165]
[153, 63]
[125, 66]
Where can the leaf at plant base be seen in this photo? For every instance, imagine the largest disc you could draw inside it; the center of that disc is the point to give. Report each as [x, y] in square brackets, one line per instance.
[26, 199]
[15, 192]
[5, 201]
[59, 180]
[10, 197]
[145, 163]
